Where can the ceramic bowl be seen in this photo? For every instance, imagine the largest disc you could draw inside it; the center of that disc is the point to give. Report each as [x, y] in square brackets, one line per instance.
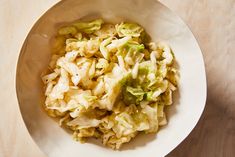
[161, 24]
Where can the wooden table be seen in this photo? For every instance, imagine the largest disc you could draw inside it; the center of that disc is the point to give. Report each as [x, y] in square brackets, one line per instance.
[212, 22]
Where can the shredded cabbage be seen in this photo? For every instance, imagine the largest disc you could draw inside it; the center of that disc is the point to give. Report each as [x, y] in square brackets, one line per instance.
[109, 81]
[129, 29]
[89, 27]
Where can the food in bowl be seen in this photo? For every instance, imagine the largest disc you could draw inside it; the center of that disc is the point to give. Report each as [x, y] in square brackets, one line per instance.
[109, 81]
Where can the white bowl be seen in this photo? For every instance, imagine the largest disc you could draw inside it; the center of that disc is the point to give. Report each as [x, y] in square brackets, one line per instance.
[161, 24]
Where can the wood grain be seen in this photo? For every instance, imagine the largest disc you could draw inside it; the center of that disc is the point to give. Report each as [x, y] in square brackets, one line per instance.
[212, 23]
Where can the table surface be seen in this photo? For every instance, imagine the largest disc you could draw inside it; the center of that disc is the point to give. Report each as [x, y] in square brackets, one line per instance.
[211, 22]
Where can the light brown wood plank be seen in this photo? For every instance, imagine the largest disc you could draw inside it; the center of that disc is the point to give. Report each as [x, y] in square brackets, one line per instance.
[212, 22]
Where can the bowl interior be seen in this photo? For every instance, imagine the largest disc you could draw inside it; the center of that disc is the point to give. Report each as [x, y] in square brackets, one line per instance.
[161, 24]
